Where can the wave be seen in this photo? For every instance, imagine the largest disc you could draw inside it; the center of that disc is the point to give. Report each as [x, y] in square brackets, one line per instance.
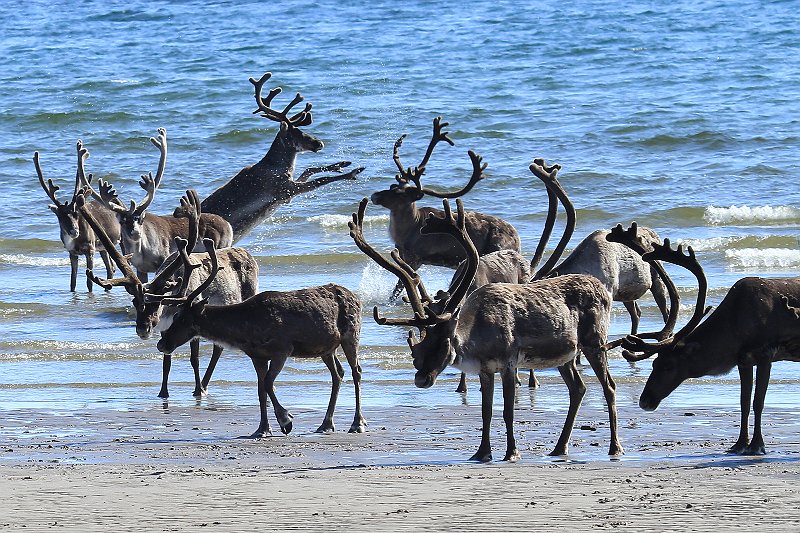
[32, 260]
[741, 242]
[751, 215]
[770, 258]
[340, 221]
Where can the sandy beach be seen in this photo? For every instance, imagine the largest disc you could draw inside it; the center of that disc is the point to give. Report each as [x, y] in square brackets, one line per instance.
[173, 468]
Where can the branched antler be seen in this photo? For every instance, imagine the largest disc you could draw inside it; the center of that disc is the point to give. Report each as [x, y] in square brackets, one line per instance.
[302, 118]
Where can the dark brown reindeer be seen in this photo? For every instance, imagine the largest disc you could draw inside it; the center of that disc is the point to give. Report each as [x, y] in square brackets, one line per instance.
[76, 235]
[753, 326]
[150, 238]
[501, 326]
[237, 281]
[270, 327]
[405, 219]
[253, 194]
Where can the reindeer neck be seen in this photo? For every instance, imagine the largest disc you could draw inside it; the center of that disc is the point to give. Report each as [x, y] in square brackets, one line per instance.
[405, 219]
[280, 158]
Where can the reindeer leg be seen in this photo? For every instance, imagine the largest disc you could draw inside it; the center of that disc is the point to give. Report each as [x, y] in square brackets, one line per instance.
[194, 359]
[484, 453]
[73, 276]
[284, 417]
[336, 383]
[763, 369]
[166, 364]
[599, 364]
[746, 384]
[636, 314]
[217, 351]
[509, 377]
[462, 383]
[533, 383]
[109, 264]
[89, 266]
[262, 367]
[350, 348]
[569, 373]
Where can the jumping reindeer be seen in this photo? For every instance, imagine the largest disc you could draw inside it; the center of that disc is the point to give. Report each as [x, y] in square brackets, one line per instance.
[405, 219]
[76, 235]
[257, 191]
[150, 238]
[236, 281]
[502, 326]
[754, 325]
[270, 327]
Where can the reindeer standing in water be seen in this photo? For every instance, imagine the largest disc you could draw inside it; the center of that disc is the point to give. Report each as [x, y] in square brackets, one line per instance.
[76, 235]
[754, 325]
[405, 219]
[501, 326]
[257, 191]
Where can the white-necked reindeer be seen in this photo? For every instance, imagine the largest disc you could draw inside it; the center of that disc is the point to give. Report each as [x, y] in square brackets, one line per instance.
[755, 324]
[237, 280]
[270, 327]
[489, 233]
[76, 235]
[256, 191]
[150, 238]
[502, 326]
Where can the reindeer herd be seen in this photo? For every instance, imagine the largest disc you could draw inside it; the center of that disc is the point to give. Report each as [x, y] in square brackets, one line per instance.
[500, 312]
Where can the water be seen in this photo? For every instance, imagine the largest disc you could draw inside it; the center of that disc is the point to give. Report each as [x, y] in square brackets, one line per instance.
[681, 116]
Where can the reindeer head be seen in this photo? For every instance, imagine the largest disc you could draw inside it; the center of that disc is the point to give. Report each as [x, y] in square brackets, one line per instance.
[435, 319]
[290, 134]
[189, 308]
[66, 212]
[408, 188]
[676, 355]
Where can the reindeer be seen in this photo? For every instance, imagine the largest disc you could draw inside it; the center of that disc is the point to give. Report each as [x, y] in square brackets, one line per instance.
[254, 194]
[237, 281]
[754, 325]
[148, 237]
[270, 327]
[76, 235]
[501, 326]
[405, 219]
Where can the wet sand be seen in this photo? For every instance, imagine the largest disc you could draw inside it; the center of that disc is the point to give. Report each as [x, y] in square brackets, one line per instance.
[170, 468]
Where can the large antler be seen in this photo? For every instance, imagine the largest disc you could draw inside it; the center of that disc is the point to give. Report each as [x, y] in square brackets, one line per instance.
[413, 283]
[548, 175]
[49, 187]
[455, 227]
[303, 118]
[182, 299]
[630, 238]
[664, 252]
[80, 174]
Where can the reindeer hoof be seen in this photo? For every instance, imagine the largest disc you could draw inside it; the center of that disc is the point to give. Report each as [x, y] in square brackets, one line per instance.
[512, 456]
[286, 428]
[358, 426]
[482, 457]
[259, 434]
[326, 427]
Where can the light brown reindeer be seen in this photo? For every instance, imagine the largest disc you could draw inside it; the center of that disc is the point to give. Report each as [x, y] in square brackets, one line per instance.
[150, 238]
[270, 327]
[754, 325]
[489, 233]
[237, 281]
[253, 194]
[76, 235]
[502, 326]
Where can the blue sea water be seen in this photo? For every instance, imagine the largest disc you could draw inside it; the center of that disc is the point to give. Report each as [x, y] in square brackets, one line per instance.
[682, 116]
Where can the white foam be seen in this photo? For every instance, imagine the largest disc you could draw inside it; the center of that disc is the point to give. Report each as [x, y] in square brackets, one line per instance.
[727, 215]
[32, 260]
[765, 258]
[340, 221]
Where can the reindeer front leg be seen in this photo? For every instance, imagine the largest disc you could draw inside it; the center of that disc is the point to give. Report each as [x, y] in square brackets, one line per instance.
[73, 275]
[307, 186]
[337, 372]
[284, 417]
[215, 354]
[89, 267]
[484, 453]
[262, 367]
[509, 377]
[194, 359]
[166, 365]
[569, 373]
[746, 384]
[335, 167]
[763, 369]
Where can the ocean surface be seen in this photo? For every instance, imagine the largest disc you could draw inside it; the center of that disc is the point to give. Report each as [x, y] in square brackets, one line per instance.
[682, 116]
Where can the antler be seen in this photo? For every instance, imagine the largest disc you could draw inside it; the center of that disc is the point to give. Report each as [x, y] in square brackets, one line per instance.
[80, 174]
[664, 252]
[188, 268]
[108, 197]
[792, 309]
[415, 173]
[50, 188]
[477, 175]
[455, 227]
[303, 118]
[413, 283]
[161, 144]
[148, 183]
[548, 175]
